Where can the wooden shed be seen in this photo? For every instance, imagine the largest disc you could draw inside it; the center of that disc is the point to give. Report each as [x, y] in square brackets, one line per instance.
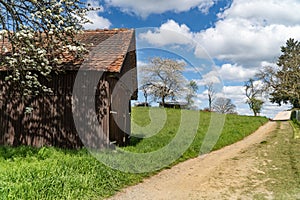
[53, 121]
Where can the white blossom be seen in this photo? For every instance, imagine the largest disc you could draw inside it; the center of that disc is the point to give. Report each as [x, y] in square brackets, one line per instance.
[31, 48]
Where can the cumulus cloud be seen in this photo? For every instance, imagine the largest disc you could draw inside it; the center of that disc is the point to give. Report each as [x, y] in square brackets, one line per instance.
[245, 42]
[266, 12]
[227, 72]
[246, 36]
[205, 6]
[270, 110]
[141, 63]
[233, 91]
[98, 22]
[211, 77]
[249, 32]
[144, 8]
[234, 72]
[169, 33]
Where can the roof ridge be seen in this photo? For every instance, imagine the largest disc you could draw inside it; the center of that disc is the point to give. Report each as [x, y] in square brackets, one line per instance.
[115, 30]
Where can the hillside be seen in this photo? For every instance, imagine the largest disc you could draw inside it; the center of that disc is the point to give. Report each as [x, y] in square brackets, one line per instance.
[51, 173]
[264, 165]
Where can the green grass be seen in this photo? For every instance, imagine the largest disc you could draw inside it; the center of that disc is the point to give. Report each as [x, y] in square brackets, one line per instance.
[282, 174]
[296, 128]
[235, 128]
[52, 173]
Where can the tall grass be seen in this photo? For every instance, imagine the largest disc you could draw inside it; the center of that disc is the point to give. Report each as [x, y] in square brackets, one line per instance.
[296, 128]
[52, 173]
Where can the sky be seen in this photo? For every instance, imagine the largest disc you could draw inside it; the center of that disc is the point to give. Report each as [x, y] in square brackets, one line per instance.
[221, 41]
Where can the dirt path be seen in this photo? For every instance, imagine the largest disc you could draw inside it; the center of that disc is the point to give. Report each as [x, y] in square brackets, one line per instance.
[222, 174]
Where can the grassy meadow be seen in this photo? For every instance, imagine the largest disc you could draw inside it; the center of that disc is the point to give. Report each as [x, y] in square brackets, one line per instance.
[280, 161]
[52, 173]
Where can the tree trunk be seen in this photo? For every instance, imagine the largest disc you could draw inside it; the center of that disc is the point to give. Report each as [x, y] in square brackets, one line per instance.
[255, 114]
[209, 103]
[163, 101]
[146, 99]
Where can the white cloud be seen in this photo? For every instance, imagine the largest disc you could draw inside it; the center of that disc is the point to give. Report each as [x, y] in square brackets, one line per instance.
[247, 36]
[169, 33]
[270, 110]
[227, 72]
[247, 33]
[250, 32]
[205, 6]
[98, 22]
[266, 11]
[141, 63]
[233, 91]
[211, 77]
[244, 42]
[144, 8]
[236, 73]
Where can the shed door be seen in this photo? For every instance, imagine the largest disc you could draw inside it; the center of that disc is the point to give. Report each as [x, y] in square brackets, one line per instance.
[120, 115]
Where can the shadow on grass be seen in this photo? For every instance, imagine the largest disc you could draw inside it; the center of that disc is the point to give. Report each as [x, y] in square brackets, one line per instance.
[135, 140]
[8, 152]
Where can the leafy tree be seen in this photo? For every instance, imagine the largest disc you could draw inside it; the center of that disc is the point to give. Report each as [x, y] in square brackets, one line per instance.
[224, 106]
[252, 93]
[37, 36]
[163, 78]
[192, 88]
[285, 81]
[211, 94]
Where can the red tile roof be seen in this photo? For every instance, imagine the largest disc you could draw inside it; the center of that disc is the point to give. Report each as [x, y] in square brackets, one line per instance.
[107, 50]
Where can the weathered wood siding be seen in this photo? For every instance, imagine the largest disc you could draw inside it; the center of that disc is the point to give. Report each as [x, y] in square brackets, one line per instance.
[51, 121]
[123, 89]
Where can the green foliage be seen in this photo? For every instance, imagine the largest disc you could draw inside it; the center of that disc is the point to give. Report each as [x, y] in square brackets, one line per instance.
[52, 173]
[255, 105]
[253, 92]
[284, 82]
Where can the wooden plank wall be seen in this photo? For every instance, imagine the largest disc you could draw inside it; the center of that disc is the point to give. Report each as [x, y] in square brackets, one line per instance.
[120, 114]
[123, 89]
[51, 121]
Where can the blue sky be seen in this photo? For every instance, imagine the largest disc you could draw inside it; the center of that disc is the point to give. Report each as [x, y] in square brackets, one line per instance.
[223, 41]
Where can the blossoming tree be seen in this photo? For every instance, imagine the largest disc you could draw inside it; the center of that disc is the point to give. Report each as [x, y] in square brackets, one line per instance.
[36, 36]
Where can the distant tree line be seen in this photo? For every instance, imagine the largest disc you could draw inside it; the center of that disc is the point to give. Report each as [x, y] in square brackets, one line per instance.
[162, 80]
